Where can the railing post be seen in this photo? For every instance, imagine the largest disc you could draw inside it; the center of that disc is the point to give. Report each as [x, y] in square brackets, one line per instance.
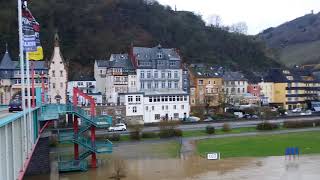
[93, 156]
[76, 129]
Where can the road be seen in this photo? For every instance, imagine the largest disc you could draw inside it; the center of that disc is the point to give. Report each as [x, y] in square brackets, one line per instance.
[233, 124]
[4, 113]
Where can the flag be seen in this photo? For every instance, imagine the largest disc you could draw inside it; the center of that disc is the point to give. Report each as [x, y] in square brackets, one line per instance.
[31, 36]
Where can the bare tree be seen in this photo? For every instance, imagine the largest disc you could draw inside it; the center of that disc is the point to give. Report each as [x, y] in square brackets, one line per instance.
[214, 20]
[240, 27]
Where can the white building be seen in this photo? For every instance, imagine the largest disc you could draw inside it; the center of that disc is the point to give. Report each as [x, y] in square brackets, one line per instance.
[149, 107]
[114, 76]
[235, 86]
[87, 86]
[58, 76]
[159, 86]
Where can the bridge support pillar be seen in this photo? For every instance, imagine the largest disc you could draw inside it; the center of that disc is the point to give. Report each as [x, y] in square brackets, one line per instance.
[93, 141]
[76, 130]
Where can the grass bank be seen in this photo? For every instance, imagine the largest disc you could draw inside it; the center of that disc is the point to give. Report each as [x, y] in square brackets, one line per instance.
[262, 145]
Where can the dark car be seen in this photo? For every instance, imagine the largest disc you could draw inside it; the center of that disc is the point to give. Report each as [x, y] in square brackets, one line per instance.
[15, 105]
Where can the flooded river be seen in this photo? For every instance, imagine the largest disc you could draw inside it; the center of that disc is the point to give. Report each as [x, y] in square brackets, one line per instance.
[197, 168]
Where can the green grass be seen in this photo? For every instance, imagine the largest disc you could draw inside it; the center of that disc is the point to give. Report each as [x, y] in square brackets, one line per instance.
[262, 145]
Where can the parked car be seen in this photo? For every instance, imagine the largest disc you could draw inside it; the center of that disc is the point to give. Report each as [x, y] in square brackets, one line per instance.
[308, 112]
[118, 127]
[296, 110]
[15, 105]
[193, 119]
[208, 119]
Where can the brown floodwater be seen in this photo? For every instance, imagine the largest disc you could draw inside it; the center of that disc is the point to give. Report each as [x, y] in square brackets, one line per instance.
[197, 168]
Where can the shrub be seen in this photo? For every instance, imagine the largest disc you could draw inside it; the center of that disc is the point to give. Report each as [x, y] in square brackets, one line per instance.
[226, 127]
[301, 124]
[149, 135]
[210, 130]
[167, 128]
[267, 126]
[166, 133]
[135, 132]
[113, 137]
[178, 133]
[135, 135]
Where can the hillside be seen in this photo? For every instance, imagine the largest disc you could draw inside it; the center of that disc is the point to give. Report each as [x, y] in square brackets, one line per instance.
[296, 42]
[93, 29]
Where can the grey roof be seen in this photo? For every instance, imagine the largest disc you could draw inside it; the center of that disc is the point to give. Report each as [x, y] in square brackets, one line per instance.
[6, 62]
[234, 76]
[205, 72]
[102, 63]
[143, 53]
[116, 61]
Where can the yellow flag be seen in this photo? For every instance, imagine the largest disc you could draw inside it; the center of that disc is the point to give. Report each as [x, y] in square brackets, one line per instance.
[36, 55]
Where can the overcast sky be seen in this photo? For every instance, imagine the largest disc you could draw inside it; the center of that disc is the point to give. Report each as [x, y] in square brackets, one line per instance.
[258, 14]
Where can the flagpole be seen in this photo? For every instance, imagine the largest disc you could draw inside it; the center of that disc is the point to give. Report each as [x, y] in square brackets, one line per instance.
[23, 104]
[32, 79]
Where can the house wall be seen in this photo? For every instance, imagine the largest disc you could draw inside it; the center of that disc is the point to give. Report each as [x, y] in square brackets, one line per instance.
[57, 77]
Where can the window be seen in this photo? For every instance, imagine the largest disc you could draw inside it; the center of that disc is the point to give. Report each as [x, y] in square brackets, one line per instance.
[243, 90]
[163, 84]
[214, 82]
[134, 109]
[162, 107]
[175, 74]
[138, 98]
[159, 55]
[238, 90]
[61, 73]
[170, 98]
[61, 85]
[130, 98]
[152, 108]
[142, 85]
[200, 82]
[155, 74]
[157, 116]
[176, 115]
[149, 74]
[174, 98]
[158, 99]
[146, 108]
[156, 84]
[182, 106]
[169, 85]
[53, 74]
[142, 75]
[149, 85]
[176, 85]
[185, 98]
[174, 107]
[53, 85]
[150, 99]
[209, 82]
[163, 75]
[169, 75]
[167, 107]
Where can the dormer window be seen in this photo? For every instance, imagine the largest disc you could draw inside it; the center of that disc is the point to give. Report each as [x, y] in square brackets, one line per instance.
[159, 55]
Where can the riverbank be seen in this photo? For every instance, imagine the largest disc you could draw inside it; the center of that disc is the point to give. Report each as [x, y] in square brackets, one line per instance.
[260, 145]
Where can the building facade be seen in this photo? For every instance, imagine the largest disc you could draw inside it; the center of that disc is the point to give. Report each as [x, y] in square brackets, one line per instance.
[206, 87]
[58, 76]
[291, 89]
[10, 77]
[114, 76]
[150, 107]
[235, 87]
[159, 86]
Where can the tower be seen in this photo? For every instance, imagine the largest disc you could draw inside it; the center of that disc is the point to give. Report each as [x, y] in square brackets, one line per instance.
[58, 76]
